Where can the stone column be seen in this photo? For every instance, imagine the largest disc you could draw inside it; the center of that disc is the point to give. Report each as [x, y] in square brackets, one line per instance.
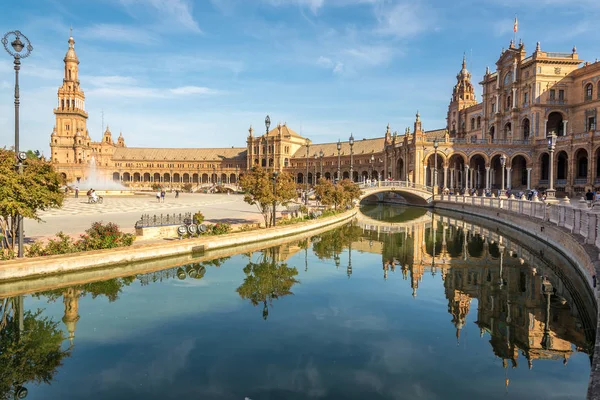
[445, 177]
[528, 178]
[466, 178]
[514, 99]
[452, 178]
[545, 128]
[487, 177]
[508, 178]
[565, 128]
[425, 175]
[498, 105]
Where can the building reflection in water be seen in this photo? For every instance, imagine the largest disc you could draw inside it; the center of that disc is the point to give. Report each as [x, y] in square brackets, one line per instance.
[529, 306]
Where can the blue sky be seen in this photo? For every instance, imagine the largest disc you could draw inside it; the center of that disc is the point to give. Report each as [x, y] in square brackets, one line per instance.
[197, 73]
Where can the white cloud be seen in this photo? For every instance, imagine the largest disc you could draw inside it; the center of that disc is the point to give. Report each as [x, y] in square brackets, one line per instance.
[120, 91]
[119, 33]
[404, 19]
[185, 90]
[177, 12]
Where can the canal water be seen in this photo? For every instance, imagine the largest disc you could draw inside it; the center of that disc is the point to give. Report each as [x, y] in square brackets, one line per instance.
[402, 304]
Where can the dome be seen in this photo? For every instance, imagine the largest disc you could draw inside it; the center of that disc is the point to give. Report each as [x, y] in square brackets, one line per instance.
[71, 55]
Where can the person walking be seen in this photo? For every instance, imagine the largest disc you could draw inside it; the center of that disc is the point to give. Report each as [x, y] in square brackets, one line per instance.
[589, 196]
[76, 192]
[162, 195]
[158, 196]
[176, 194]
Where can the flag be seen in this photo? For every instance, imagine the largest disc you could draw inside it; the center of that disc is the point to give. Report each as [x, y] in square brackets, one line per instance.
[516, 26]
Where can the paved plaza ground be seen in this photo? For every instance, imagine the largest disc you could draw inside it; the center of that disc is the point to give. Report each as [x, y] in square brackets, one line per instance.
[77, 215]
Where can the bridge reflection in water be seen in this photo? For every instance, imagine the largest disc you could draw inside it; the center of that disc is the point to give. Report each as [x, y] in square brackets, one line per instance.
[529, 301]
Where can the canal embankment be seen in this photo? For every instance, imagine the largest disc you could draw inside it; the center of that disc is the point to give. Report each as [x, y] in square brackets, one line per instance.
[44, 267]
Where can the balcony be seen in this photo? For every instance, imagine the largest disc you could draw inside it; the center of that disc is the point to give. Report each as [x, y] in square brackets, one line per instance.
[558, 102]
[543, 181]
[581, 181]
[561, 182]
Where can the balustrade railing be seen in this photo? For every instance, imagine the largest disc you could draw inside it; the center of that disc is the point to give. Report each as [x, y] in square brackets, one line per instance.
[578, 217]
[398, 184]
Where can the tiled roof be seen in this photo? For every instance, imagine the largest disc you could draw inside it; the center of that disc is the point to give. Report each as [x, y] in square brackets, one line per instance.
[139, 153]
[285, 131]
[436, 134]
[330, 149]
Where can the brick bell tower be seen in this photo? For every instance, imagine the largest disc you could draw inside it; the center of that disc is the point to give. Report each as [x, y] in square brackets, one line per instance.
[463, 96]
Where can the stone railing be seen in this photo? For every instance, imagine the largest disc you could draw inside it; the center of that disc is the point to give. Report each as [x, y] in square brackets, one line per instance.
[578, 218]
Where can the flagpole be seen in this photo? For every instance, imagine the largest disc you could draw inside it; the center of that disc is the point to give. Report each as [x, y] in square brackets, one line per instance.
[515, 28]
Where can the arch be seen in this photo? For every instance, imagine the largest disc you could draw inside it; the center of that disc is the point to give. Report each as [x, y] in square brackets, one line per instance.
[544, 170]
[327, 176]
[457, 155]
[204, 178]
[589, 91]
[116, 177]
[195, 178]
[232, 178]
[518, 173]
[167, 177]
[186, 178]
[213, 178]
[432, 171]
[310, 178]
[597, 164]
[286, 162]
[63, 176]
[525, 128]
[478, 122]
[223, 179]
[300, 178]
[478, 154]
[400, 172]
[176, 177]
[477, 171]
[555, 124]
[346, 175]
[364, 175]
[146, 177]
[472, 123]
[562, 167]
[136, 177]
[156, 177]
[581, 165]
[507, 130]
[497, 171]
[492, 133]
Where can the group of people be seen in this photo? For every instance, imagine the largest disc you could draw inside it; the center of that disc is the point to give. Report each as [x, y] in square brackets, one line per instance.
[160, 195]
[91, 194]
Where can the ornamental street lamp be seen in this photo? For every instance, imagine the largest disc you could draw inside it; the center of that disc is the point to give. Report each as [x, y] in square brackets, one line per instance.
[503, 163]
[351, 142]
[371, 161]
[315, 165]
[435, 170]
[547, 290]
[19, 49]
[267, 125]
[321, 156]
[551, 193]
[306, 178]
[275, 174]
[339, 171]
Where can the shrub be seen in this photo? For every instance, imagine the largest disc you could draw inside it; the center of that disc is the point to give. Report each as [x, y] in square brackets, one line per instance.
[220, 228]
[187, 187]
[198, 217]
[101, 236]
[247, 227]
[155, 186]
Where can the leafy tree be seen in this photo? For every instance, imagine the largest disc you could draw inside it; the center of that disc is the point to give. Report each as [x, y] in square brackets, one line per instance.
[267, 280]
[33, 154]
[340, 195]
[111, 289]
[36, 189]
[29, 355]
[335, 241]
[258, 188]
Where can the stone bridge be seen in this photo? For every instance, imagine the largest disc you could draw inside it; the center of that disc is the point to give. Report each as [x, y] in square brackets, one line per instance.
[413, 193]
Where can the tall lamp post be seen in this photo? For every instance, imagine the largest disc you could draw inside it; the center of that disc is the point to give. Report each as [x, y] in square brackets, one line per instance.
[351, 142]
[435, 170]
[315, 166]
[321, 157]
[267, 125]
[503, 163]
[551, 192]
[275, 174]
[19, 49]
[371, 162]
[306, 178]
[339, 171]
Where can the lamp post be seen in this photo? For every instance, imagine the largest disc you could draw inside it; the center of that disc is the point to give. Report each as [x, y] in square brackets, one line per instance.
[371, 162]
[170, 180]
[435, 171]
[275, 174]
[321, 156]
[19, 49]
[339, 171]
[551, 193]
[236, 176]
[214, 179]
[315, 165]
[267, 125]
[503, 163]
[306, 177]
[351, 142]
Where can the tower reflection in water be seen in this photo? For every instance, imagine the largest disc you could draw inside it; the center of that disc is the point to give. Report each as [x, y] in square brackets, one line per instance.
[529, 302]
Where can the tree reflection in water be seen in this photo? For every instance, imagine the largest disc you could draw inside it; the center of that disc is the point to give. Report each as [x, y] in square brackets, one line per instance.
[30, 348]
[266, 280]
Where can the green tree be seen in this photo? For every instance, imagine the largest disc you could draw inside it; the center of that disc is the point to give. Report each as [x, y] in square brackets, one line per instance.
[31, 354]
[26, 194]
[340, 195]
[267, 280]
[333, 242]
[258, 188]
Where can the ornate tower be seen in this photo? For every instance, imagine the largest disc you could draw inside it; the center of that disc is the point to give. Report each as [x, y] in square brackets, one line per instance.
[71, 316]
[463, 96]
[69, 138]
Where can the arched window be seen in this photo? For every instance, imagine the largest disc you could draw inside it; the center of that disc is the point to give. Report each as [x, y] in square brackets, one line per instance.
[472, 123]
[508, 101]
[507, 78]
[589, 91]
[478, 122]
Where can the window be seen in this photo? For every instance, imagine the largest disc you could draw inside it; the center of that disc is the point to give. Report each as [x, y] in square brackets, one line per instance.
[552, 94]
[589, 91]
[507, 79]
[478, 122]
[508, 102]
[525, 98]
[493, 107]
[591, 124]
[472, 123]
[561, 95]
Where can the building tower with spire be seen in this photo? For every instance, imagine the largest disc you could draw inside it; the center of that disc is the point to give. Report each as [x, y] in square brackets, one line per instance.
[463, 96]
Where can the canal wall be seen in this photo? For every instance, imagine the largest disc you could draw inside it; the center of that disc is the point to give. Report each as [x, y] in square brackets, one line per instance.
[44, 267]
[572, 229]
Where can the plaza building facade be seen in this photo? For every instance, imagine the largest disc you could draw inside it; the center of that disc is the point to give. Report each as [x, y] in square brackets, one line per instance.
[499, 142]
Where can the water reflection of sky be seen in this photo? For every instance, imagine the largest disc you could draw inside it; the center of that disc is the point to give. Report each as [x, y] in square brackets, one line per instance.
[336, 337]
